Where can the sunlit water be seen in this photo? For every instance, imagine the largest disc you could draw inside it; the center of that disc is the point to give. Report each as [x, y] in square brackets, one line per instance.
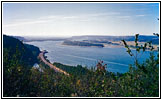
[117, 59]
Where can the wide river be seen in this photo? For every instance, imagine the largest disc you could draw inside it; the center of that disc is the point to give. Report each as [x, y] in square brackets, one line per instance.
[116, 58]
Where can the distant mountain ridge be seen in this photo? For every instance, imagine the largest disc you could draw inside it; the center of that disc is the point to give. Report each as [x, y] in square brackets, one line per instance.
[30, 38]
[20, 38]
[142, 38]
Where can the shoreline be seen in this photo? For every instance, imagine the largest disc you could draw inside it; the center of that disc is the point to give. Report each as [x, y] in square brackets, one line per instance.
[41, 57]
[81, 46]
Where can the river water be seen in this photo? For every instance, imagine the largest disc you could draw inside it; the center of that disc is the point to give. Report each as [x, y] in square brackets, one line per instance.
[116, 58]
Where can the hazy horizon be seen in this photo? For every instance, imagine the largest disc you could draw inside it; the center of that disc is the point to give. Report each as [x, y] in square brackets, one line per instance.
[78, 19]
[71, 36]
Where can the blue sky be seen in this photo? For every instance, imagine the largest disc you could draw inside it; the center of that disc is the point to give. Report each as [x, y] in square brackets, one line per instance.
[70, 19]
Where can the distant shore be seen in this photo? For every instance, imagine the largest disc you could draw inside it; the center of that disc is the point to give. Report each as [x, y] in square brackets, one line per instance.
[113, 44]
[81, 43]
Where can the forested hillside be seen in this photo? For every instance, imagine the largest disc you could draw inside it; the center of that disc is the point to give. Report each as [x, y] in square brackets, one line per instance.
[24, 53]
[19, 79]
[17, 61]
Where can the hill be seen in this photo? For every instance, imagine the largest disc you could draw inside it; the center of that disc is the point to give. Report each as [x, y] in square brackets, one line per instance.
[18, 59]
[26, 54]
[142, 38]
[20, 80]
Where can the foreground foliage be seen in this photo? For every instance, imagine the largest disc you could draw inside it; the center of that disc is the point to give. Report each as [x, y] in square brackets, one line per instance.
[142, 79]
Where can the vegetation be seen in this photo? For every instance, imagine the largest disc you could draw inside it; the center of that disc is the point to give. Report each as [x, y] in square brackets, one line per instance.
[79, 43]
[142, 38]
[142, 79]
[101, 42]
[35, 50]
[73, 70]
[15, 49]
[17, 61]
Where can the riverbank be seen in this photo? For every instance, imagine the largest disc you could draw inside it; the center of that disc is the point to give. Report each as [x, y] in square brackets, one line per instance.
[41, 56]
[88, 56]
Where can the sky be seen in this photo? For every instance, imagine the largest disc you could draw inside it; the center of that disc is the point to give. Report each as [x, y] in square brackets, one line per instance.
[75, 19]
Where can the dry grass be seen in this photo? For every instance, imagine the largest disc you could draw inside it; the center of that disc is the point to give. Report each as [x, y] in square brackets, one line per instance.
[130, 43]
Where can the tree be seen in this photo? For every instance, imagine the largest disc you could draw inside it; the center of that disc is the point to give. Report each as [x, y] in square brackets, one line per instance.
[143, 78]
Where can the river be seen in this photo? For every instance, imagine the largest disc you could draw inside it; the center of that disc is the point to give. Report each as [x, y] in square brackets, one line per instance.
[116, 58]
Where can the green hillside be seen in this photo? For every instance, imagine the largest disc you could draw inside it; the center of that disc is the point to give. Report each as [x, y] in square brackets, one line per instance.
[24, 53]
[20, 80]
[17, 61]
